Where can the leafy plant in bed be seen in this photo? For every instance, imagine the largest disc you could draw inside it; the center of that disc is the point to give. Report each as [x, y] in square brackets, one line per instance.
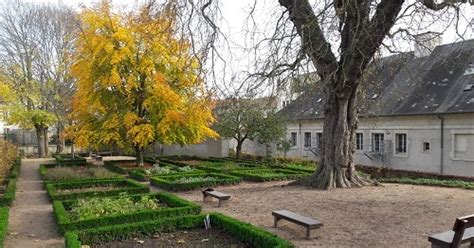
[225, 167]
[58, 173]
[161, 169]
[249, 235]
[192, 181]
[263, 175]
[91, 188]
[106, 211]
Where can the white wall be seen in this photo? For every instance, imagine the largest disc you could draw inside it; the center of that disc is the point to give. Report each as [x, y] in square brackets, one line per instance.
[208, 148]
[418, 129]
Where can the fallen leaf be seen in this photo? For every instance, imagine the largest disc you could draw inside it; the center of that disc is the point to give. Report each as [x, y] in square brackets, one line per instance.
[204, 240]
[181, 241]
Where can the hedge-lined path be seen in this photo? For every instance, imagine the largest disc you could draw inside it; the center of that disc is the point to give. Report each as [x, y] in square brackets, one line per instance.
[31, 222]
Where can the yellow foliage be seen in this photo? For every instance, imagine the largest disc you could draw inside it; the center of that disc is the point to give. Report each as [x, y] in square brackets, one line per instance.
[138, 83]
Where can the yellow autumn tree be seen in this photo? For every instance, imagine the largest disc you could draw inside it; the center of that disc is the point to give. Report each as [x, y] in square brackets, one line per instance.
[138, 82]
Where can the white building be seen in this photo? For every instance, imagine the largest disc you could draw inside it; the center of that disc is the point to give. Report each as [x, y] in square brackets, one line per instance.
[416, 113]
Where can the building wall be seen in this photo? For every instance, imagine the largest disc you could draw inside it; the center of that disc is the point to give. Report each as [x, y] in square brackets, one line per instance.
[458, 153]
[208, 148]
[249, 147]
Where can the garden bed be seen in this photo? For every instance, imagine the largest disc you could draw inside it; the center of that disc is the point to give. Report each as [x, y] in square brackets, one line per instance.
[58, 191]
[161, 170]
[183, 182]
[244, 233]
[430, 182]
[263, 175]
[96, 212]
[7, 197]
[58, 173]
[226, 167]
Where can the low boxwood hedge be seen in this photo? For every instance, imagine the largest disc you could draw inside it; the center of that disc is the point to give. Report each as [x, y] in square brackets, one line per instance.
[430, 182]
[67, 159]
[263, 175]
[3, 224]
[109, 165]
[169, 182]
[175, 207]
[247, 233]
[131, 187]
[9, 196]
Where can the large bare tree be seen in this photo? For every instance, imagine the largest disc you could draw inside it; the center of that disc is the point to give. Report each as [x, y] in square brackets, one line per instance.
[360, 30]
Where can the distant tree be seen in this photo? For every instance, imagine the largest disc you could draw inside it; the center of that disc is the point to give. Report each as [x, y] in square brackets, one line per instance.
[138, 81]
[248, 119]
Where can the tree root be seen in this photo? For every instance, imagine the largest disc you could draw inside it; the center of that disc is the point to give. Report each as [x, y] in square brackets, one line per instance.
[337, 178]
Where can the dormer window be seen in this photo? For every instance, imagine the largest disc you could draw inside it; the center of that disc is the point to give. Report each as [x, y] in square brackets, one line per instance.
[469, 69]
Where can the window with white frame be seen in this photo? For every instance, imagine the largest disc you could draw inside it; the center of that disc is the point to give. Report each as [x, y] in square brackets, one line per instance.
[319, 137]
[307, 139]
[377, 142]
[463, 146]
[359, 141]
[293, 138]
[401, 143]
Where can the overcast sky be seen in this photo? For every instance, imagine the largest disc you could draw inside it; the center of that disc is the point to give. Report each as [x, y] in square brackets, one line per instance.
[234, 26]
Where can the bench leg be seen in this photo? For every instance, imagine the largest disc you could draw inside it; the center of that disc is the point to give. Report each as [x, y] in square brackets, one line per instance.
[223, 203]
[472, 245]
[308, 234]
[207, 198]
[275, 223]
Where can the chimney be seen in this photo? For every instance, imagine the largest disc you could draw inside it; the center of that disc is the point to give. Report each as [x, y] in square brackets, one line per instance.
[425, 43]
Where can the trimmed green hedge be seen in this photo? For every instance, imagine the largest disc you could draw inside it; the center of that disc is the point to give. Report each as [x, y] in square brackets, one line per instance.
[255, 236]
[66, 159]
[9, 196]
[263, 175]
[175, 207]
[430, 182]
[132, 187]
[3, 224]
[111, 166]
[169, 182]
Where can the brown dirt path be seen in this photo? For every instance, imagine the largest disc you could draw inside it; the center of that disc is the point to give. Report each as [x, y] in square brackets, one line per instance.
[31, 222]
[393, 215]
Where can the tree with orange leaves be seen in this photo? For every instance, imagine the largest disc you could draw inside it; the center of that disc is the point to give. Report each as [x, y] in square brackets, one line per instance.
[138, 82]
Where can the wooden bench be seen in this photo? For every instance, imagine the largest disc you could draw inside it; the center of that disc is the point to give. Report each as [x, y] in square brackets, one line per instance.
[307, 222]
[463, 232]
[223, 198]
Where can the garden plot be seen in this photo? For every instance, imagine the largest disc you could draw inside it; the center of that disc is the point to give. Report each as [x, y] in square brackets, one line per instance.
[263, 175]
[225, 167]
[58, 173]
[92, 188]
[68, 159]
[162, 169]
[185, 231]
[181, 182]
[105, 211]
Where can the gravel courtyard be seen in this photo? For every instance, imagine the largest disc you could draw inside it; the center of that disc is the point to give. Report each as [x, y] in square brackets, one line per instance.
[392, 215]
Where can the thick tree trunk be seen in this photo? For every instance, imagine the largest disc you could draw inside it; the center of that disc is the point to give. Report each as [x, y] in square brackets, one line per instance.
[45, 140]
[139, 154]
[73, 151]
[39, 138]
[336, 168]
[59, 140]
[238, 149]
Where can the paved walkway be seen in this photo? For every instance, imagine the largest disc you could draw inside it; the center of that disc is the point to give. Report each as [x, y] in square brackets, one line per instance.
[31, 222]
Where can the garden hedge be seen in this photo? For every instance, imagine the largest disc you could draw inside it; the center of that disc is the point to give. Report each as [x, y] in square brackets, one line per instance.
[9, 196]
[111, 166]
[430, 182]
[139, 174]
[258, 175]
[175, 207]
[66, 159]
[131, 187]
[3, 224]
[168, 182]
[252, 235]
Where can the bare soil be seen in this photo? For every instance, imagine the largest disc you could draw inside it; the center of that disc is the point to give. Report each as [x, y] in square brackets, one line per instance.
[191, 162]
[392, 215]
[199, 238]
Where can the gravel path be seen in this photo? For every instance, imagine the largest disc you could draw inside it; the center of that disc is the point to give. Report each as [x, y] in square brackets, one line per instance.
[393, 215]
[31, 222]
